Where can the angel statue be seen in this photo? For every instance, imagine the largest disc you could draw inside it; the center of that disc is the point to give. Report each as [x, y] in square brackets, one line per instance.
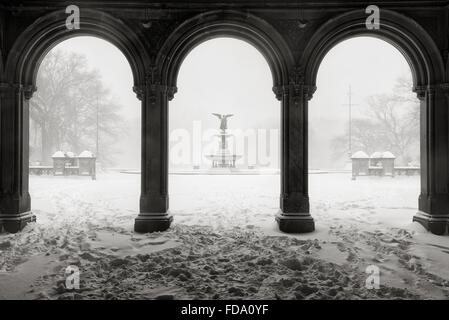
[224, 120]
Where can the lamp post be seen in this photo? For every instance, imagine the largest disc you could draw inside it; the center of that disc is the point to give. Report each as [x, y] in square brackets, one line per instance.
[349, 104]
[98, 128]
[350, 124]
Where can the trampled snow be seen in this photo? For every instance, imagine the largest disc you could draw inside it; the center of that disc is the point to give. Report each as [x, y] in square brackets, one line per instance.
[224, 242]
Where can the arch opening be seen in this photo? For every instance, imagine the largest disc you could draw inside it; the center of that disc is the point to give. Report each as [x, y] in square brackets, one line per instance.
[407, 36]
[50, 30]
[364, 133]
[225, 23]
[84, 134]
[224, 76]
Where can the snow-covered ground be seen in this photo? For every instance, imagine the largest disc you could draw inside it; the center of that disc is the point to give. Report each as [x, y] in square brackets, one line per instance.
[224, 242]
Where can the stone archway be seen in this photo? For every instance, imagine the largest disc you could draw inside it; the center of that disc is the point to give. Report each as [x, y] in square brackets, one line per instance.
[429, 83]
[294, 203]
[18, 85]
[294, 64]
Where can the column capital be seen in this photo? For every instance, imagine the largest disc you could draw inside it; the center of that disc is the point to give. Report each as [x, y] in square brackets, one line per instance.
[440, 87]
[170, 91]
[139, 90]
[420, 91]
[8, 86]
[296, 76]
[309, 90]
[279, 91]
[295, 90]
[431, 89]
[152, 90]
[28, 90]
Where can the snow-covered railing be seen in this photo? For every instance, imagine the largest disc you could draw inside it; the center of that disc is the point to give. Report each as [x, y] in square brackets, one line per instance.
[379, 164]
[67, 164]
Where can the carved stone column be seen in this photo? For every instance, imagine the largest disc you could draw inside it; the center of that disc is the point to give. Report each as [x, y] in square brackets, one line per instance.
[294, 201]
[434, 130]
[15, 201]
[154, 175]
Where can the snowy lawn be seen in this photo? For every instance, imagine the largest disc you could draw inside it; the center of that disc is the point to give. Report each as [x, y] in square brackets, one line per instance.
[224, 242]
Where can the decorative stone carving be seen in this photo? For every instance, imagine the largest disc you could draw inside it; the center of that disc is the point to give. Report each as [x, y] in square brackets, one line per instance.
[7, 88]
[443, 87]
[155, 87]
[297, 88]
[171, 92]
[279, 91]
[28, 91]
[432, 89]
[293, 32]
[420, 92]
[139, 90]
[309, 90]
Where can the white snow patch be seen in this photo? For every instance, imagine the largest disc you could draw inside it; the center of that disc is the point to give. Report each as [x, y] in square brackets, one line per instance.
[224, 242]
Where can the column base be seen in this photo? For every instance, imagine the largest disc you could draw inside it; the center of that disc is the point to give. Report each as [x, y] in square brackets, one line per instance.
[15, 223]
[294, 202]
[151, 222]
[437, 224]
[295, 223]
[150, 203]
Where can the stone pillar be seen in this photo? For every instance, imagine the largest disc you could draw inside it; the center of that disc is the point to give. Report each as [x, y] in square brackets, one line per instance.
[154, 175]
[15, 201]
[434, 130]
[294, 201]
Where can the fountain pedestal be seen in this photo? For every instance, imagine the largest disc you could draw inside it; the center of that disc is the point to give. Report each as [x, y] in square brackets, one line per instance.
[223, 158]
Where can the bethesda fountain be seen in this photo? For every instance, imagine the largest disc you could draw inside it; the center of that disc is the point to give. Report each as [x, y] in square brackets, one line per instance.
[223, 157]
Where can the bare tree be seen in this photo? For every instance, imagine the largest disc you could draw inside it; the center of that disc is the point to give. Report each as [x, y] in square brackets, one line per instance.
[65, 104]
[390, 122]
[366, 136]
[397, 124]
